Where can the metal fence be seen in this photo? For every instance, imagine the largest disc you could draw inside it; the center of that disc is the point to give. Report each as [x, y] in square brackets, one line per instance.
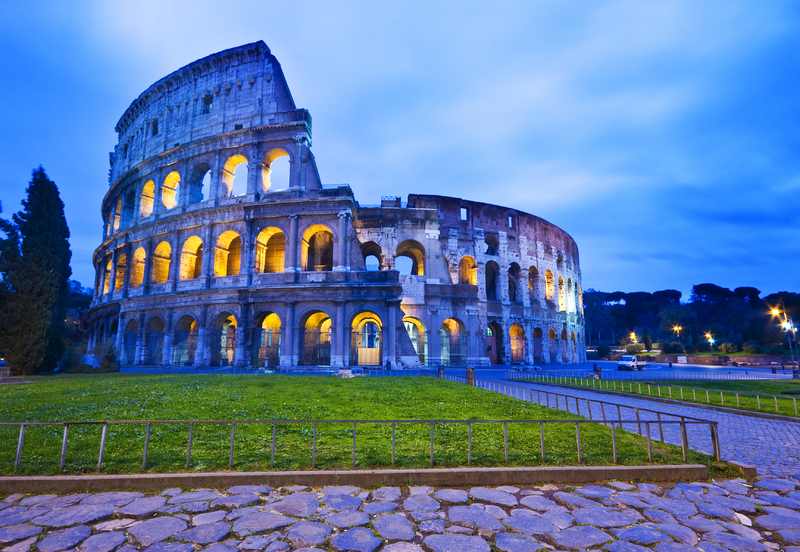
[677, 372]
[740, 399]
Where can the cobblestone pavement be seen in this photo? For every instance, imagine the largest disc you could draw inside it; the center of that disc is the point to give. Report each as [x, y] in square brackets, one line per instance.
[618, 516]
[772, 446]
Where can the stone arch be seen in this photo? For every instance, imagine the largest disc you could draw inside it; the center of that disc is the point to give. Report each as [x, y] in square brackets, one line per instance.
[200, 182]
[564, 346]
[453, 342]
[494, 342]
[418, 336]
[468, 271]
[130, 338]
[317, 249]
[154, 341]
[121, 269]
[533, 283]
[492, 243]
[147, 198]
[366, 342]
[185, 341]
[276, 170]
[516, 339]
[552, 345]
[117, 215]
[538, 345]
[228, 254]
[316, 339]
[270, 250]
[373, 256]
[162, 258]
[137, 267]
[514, 294]
[107, 275]
[412, 250]
[191, 266]
[492, 272]
[549, 286]
[562, 295]
[234, 175]
[170, 189]
[267, 340]
[223, 339]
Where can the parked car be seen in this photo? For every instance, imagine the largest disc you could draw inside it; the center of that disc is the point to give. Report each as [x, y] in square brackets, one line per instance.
[629, 363]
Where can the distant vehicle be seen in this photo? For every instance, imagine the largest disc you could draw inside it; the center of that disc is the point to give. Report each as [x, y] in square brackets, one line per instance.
[629, 363]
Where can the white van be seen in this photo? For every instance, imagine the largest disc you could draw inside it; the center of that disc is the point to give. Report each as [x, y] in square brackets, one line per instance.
[630, 363]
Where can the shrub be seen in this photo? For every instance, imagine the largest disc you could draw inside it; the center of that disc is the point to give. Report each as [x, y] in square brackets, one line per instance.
[634, 348]
[603, 351]
[728, 348]
[751, 347]
[673, 348]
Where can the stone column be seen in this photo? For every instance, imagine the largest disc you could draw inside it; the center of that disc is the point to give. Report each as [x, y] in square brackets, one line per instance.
[240, 353]
[247, 252]
[288, 339]
[126, 284]
[141, 343]
[216, 179]
[528, 343]
[113, 277]
[475, 351]
[255, 177]
[292, 245]
[201, 353]
[340, 348]
[208, 255]
[148, 266]
[137, 204]
[434, 343]
[340, 263]
[391, 337]
[166, 349]
[175, 263]
[118, 339]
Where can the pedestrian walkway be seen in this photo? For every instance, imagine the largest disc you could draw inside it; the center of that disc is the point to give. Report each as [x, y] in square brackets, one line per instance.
[772, 446]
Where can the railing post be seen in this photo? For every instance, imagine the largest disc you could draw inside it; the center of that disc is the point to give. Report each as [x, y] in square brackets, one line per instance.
[505, 441]
[649, 444]
[613, 443]
[20, 444]
[775, 397]
[314, 445]
[355, 430]
[660, 427]
[394, 442]
[147, 431]
[101, 454]
[469, 443]
[684, 440]
[715, 442]
[231, 445]
[638, 421]
[541, 441]
[578, 442]
[189, 442]
[272, 445]
[433, 434]
[63, 458]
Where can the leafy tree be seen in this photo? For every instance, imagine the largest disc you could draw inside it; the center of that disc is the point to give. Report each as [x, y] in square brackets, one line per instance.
[34, 267]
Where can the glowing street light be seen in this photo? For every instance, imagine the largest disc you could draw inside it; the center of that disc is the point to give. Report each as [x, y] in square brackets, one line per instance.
[633, 337]
[677, 329]
[787, 326]
[710, 338]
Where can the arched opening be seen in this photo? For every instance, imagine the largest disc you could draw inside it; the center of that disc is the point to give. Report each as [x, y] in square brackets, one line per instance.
[122, 268]
[513, 283]
[549, 286]
[184, 343]
[129, 339]
[416, 333]
[191, 258]
[560, 262]
[147, 199]
[453, 339]
[200, 183]
[169, 190]
[316, 340]
[494, 343]
[137, 267]
[317, 249]
[533, 284]
[580, 298]
[267, 341]
[553, 344]
[107, 276]
[516, 338]
[223, 342]
[371, 252]
[234, 176]
[492, 271]
[538, 345]
[154, 342]
[228, 254]
[270, 250]
[570, 296]
[276, 170]
[367, 339]
[162, 257]
[564, 346]
[492, 243]
[467, 271]
[562, 295]
[117, 214]
[410, 258]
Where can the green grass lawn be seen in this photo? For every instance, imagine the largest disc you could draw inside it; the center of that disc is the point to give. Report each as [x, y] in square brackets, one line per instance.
[118, 397]
[773, 396]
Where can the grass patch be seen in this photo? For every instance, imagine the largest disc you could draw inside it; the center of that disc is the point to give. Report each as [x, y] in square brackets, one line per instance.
[242, 398]
[772, 396]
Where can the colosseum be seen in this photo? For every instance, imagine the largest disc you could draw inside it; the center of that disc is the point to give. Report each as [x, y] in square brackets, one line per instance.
[222, 248]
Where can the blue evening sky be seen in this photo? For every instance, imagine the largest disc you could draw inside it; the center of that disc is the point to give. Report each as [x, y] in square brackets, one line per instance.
[664, 136]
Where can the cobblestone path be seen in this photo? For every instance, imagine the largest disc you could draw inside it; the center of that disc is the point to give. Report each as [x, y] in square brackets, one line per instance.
[728, 515]
[772, 446]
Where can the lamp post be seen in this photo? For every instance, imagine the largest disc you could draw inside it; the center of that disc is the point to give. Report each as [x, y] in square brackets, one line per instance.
[677, 329]
[788, 327]
[710, 338]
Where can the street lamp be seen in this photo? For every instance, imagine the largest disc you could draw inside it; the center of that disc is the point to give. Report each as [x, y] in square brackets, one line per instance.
[710, 338]
[787, 326]
[633, 337]
[677, 329]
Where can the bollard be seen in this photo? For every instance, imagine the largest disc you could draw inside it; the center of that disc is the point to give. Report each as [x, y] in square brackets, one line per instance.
[471, 377]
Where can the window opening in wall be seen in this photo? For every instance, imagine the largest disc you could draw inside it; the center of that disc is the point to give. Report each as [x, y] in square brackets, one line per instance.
[492, 244]
[510, 221]
[463, 214]
[154, 127]
[237, 126]
[208, 103]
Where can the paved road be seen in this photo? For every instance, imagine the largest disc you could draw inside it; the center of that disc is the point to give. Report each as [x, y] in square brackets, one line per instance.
[772, 446]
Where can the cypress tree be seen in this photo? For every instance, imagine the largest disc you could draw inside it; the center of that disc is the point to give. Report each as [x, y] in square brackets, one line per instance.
[35, 267]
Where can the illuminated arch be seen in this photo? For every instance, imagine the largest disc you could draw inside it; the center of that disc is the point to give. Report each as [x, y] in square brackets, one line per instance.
[147, 199]
[223, 350]
[276, 170]
[154, 341]
[549, 285]
[412, 250]
[228, 254]
[533, 283]
[184, 342]
[234, 175]
[107, 276]
[137, 267]
[162, 258]
[267, 340]
[453, 337]
[516, 337]
[416, 333]
[122, 268]
[191, 258]
[129, 338]
[316, 251]
[367, 339]
[562, 295]
[316, 339]
[169, 190]
[270, 250]
[467, 271]
[373, 256]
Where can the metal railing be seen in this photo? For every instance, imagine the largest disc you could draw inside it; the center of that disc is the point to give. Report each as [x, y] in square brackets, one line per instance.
[739, 399]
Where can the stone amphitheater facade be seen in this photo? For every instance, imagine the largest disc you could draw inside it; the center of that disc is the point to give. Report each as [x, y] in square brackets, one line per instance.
[208, 258]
